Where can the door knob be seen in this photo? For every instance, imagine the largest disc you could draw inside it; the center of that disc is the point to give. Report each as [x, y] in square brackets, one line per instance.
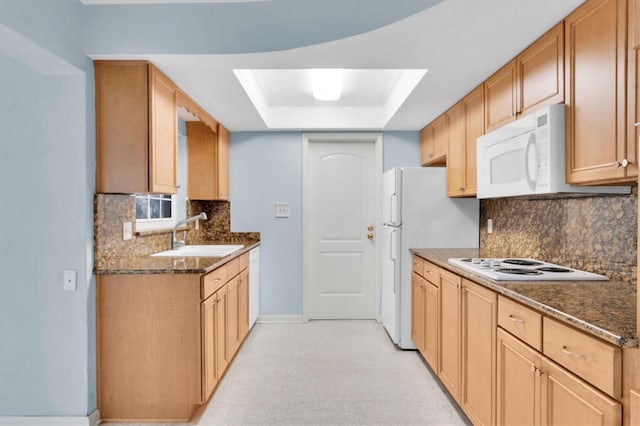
[370, 235]
[370, 228]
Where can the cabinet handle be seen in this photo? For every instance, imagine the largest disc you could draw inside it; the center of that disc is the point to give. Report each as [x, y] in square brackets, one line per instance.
[637, 124]
[573, 354]
[515, 319]
[623, 163]
[217, 280]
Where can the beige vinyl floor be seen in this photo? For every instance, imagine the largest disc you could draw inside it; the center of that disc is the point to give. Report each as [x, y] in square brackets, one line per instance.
[327, 373]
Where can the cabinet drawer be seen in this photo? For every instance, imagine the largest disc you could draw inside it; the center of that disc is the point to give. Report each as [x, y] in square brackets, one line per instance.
[431, 273]
[418, 265]
[590, 358]
[522, 322]
[244, 261]
[213, 281]
[233, 268]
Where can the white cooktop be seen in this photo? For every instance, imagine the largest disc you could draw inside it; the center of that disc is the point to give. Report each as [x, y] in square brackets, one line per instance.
[523, 269]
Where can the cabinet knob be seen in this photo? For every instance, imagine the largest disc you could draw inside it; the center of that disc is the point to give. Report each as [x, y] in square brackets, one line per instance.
[625, 163]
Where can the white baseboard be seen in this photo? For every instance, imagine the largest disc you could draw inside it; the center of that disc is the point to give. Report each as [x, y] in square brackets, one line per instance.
[266, 319]
[92, 419]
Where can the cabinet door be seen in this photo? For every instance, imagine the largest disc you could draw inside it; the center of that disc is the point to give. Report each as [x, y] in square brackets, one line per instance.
[432, 324]
[456, 151]
[122, 126]
[633, 78]
[233, 296]
[449, 356]
[223, 163]
[222, 351]
[201, 161]
[500, 97]
[417, 311]
[209, 375]
[163, 131]
[479, 323]
[243, 304]
[518, 382]
[440, 140]
[473, 105]
[540, 72]
[567, 400]
[426, 145]
[595, 59]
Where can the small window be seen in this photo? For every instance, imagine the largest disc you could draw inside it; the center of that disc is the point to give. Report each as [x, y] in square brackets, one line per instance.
[155, 211]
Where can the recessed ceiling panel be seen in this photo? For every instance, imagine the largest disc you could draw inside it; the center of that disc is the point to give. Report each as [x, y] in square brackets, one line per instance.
[370, 97]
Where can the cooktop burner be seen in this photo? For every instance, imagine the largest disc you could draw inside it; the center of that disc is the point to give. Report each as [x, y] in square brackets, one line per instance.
[519, 271]
[522, 269]
[523, 262]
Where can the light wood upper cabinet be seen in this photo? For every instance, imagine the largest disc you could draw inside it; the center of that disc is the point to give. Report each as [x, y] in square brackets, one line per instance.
[136, 128]
[633, 75]
[433, 142]
[456, 150]
[222, 175]
[426, 145]
[634, 19]
[540, 72]
[207, 162]
[449, 347]
[478, 334]
[595, 59]
[500, 97]
[466, 124]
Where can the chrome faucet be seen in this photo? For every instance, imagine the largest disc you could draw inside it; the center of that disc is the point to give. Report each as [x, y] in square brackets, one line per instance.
[175, 243]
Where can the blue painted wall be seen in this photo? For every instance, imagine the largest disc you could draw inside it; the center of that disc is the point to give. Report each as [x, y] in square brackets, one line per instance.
[266, 168]
[47, 335]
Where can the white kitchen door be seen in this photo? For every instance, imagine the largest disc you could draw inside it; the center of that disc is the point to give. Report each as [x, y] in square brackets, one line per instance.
[340, 200]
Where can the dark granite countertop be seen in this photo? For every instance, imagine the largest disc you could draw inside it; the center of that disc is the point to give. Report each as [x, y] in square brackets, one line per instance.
[606, 309]
[172, 265]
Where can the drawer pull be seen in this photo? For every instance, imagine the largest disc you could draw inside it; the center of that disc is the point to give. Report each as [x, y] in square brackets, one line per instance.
[216, 280]
[573, 354]
[514, 319]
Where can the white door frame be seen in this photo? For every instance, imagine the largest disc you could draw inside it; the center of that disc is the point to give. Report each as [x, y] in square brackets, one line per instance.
[307, 139]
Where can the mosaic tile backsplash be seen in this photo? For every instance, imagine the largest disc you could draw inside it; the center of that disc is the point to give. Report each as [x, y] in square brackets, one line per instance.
[596, 234]
[112, 210]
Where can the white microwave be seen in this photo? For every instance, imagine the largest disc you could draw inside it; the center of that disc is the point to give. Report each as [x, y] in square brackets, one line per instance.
[526, 158]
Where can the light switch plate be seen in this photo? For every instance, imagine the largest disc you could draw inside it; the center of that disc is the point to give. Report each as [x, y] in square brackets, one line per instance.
[69, 280]
[127, 231]
[489, 226]
[282, 210]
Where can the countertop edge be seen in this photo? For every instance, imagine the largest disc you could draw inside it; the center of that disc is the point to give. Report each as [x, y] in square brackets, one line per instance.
[591, 329]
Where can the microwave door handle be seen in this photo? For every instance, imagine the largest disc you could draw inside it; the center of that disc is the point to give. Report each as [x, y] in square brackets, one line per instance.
[531, 143]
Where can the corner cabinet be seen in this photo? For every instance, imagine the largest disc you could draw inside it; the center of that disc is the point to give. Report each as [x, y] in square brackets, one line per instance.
[598, 148]
[164, 341]
[136, 128]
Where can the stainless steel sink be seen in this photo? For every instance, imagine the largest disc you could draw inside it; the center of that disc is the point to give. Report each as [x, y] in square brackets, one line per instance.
[200, 251]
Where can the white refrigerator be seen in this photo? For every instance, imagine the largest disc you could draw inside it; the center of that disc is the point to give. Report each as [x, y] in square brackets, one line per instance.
[416, 213]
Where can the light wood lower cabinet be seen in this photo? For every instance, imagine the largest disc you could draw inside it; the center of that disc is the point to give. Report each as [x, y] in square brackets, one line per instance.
[518, 382]
[496, 377]
[449, 347]
[479, 323]
[163, 340]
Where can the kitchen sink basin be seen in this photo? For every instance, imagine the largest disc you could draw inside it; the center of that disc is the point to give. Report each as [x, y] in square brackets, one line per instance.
[200, 251]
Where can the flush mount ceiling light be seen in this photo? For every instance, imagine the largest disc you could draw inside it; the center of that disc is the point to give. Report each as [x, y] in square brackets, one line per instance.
[327, 83]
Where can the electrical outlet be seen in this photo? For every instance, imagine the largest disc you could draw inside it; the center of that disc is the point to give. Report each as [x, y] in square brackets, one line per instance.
[489, 226]
[69, 280]
[282, 210]
[127, 231]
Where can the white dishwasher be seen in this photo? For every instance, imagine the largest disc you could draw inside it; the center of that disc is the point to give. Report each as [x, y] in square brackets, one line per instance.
[254, 285]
